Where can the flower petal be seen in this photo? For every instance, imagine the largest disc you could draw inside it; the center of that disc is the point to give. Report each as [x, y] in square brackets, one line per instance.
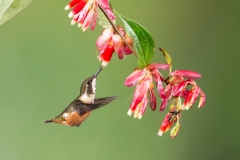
[106, 56]
[87, 20]
[105, 4]
[127, 50]
[118, 44]
[168, 92]
[177, 90]
[168, 121]
[191, 97]
[139, 93]
[94, 21]
[136, 111]
[104, 38]
[202, 99]
[153, 100]
[143, 106]
[163, 104]
[133, 78]
[159, 66]
[174, 131]
[71, 4]
[94, 16]
[158, 78]
[78, 7]
[186, 74]
[83, 13]
[184, 93]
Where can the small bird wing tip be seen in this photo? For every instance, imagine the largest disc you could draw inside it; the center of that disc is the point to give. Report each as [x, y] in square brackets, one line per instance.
[116, 96]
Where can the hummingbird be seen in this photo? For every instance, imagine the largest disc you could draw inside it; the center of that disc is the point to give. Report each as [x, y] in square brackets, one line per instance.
[82, 106]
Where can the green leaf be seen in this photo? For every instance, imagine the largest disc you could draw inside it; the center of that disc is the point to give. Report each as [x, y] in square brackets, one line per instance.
[9, 8]
[143, 41]
[103, 21]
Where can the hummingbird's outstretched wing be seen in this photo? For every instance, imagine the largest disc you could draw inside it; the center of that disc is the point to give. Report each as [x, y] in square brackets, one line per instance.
[99, 103]
[77, 111]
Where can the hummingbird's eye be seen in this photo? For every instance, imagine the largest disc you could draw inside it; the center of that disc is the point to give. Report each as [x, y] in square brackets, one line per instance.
[89, 82]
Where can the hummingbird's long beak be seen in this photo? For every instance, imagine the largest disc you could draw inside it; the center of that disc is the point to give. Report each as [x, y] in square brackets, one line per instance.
[100, 69]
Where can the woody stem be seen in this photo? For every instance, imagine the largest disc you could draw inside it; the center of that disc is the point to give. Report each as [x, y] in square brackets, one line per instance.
[118, 32]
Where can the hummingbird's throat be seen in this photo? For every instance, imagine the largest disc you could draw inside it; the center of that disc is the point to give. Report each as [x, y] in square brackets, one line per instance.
[89, 94]
[87, 98]
[93, 85]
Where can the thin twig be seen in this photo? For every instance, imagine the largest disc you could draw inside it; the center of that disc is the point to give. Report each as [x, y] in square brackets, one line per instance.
[116, 30]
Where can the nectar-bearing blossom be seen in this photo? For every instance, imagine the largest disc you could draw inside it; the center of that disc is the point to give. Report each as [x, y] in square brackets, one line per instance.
[172, 117]
[110, 41]
[85, 12]
[144, 78]
[177, 87]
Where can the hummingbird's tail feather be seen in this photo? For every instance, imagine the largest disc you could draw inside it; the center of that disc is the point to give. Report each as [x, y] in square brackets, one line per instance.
[48, 121]
[99, 103]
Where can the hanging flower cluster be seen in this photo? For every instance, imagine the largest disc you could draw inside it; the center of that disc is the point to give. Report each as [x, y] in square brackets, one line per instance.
[137, 40]
[174, 91]
[85, 12]
[144, 79]
[110, 41]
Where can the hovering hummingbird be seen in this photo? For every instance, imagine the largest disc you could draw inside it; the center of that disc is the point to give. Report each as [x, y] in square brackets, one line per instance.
[77, 111]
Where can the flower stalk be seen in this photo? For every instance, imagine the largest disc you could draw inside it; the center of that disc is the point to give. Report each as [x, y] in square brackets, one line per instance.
[116, 30]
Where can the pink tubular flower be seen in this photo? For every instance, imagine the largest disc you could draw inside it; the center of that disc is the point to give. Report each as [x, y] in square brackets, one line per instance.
[144, 80]
[175, 90]
[109, 41]
[172, 116]
[85, 12]
[176, 87]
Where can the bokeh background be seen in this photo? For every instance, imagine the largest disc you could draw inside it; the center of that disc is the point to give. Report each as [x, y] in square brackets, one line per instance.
[43, 60]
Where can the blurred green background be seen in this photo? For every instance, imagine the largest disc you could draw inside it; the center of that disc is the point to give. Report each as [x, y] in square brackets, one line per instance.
[43, 60]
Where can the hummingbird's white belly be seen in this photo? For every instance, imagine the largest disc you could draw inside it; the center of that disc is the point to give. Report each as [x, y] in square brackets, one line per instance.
[87, 98]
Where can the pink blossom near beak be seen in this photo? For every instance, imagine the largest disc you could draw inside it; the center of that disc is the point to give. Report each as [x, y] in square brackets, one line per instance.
[110, 38]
